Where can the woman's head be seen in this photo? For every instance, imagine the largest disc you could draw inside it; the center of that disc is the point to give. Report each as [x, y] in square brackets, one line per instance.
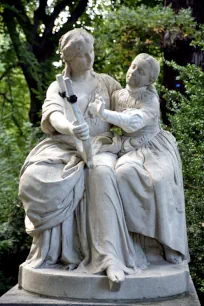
[76, 48]
[143, 71]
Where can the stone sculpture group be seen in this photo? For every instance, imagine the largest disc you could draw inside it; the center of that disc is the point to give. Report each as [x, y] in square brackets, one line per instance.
[126, 211]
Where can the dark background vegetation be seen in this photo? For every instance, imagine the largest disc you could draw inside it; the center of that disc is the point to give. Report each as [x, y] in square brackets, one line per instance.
[172, 31]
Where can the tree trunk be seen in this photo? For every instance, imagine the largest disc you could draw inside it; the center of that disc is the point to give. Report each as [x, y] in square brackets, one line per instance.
[184, 53]
[196, 6]
[35, 52]
[35, 104]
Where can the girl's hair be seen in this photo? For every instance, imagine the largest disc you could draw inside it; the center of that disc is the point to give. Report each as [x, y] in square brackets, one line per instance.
[153, 64]
[71, 44]
[154, 71]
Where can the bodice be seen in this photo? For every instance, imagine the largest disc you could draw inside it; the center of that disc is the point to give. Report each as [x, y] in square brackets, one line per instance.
[147, 106]
[105, 86]
[97, 125]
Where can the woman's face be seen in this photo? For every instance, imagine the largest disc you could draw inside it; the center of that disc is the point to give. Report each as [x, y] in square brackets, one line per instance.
[138, 74]
[84, 60]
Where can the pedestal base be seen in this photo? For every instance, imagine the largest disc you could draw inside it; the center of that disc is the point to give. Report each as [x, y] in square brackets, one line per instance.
[16, 297]
[160, 280]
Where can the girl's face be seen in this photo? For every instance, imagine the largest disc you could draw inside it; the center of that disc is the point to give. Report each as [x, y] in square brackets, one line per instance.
[84, 60]
[138, 74]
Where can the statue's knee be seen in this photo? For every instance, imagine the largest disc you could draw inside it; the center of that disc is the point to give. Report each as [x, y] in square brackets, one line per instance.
[122, 172]
[102, 171]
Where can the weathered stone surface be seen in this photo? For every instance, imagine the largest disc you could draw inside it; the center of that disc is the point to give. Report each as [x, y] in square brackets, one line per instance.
[160, 280]
[21, 297]
[97, 219]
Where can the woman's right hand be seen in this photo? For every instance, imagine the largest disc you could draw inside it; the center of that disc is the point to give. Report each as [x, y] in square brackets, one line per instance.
[80, 131]
[63, 126]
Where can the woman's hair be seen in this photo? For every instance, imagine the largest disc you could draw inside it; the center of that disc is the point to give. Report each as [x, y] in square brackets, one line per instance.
[153, 64]
[71, 44]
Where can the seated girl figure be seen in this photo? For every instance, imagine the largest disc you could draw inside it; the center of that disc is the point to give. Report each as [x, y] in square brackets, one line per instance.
[149, 173]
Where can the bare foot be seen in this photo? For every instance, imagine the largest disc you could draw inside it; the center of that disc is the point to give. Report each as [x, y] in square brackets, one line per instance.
[172, 256]
[115, 274]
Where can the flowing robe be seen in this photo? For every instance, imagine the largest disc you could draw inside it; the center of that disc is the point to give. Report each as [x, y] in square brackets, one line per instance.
[74, 214]
[149, 174]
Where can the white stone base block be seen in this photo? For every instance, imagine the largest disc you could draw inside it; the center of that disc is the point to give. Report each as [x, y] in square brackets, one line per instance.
[18, 297]
[160, 280]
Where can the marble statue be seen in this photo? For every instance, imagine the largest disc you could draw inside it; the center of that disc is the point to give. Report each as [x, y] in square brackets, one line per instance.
[148, 170]
[88, 220]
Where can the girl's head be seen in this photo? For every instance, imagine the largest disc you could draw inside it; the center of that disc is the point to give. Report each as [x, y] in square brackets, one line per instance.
[76, 48]
[143, 71]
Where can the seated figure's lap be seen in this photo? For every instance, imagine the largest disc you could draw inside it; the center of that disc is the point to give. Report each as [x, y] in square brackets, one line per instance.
[144, 167]
[103, 165]
[129, 166]
[104, 159]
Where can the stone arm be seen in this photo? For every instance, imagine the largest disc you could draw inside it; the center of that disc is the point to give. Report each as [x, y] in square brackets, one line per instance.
[53, 118]
[130, 120]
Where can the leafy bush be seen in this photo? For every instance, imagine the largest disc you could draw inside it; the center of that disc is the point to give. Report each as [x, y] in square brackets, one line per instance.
[187, 122]
[14, 242]
[119, 38]
[128, 31]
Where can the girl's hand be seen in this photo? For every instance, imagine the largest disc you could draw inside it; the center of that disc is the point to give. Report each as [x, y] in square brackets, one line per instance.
[97, 107]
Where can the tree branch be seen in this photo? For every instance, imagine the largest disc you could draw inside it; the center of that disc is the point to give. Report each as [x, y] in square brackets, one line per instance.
[58, 8]
[8, 17]
[13, 111]
[193, 187]
[10, 101]
[19, 10]
[51, 20]
[50, 40]
[76, 14]
[3, 94]
[39, 14]
[7, 71]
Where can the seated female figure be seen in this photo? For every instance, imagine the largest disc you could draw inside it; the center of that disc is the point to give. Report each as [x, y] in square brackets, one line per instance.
[55, 185]
[149, 174]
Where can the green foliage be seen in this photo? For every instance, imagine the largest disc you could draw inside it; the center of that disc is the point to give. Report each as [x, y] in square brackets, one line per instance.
[134, 3]
[16, 138]
[14, 95]
[198, 37]
[128, 31]
[14, 243]
[121, 33]
[187, 122]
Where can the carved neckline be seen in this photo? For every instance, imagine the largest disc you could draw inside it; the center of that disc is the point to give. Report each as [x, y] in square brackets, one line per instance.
[135, 92]
[92, 93]
[92, 73]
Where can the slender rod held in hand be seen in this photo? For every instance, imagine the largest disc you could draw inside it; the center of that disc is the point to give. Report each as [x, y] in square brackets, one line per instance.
[68, 95]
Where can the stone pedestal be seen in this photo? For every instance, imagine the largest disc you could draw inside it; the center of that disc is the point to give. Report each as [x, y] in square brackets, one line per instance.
[24, 298]
[160, 280]
[161, 284]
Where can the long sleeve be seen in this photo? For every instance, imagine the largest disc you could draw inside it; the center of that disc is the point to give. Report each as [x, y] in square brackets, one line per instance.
[131, 115]
[53, 103]
[149, 110]
[144, 116]
[134, 121]
[128, 121]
